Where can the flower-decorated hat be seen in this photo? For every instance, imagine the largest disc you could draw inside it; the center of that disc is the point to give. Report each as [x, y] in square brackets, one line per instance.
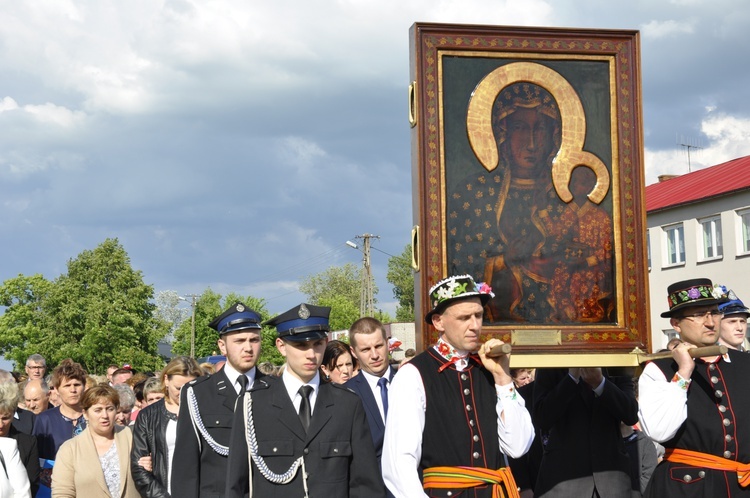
[733, 304]
[694, 292]
[453, 289]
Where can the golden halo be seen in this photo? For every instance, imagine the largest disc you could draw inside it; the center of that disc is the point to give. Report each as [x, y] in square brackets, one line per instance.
[571, 154]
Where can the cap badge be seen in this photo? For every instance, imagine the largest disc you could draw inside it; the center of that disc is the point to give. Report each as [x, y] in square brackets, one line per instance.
[304, 313]
[240, 308]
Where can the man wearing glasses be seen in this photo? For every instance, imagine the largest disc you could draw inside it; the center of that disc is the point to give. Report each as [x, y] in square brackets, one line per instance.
[36, 367]
[699, 409]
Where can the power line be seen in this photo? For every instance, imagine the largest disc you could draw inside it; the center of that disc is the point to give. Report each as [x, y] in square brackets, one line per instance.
[296, 268]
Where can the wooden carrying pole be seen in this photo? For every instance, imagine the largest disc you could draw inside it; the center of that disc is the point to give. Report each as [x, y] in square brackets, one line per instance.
[716, 350]
[694, 353]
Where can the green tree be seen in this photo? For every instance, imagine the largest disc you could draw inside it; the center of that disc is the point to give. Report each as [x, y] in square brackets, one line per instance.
[99, 312]
[343, 312]
[337, 281]
[21, 326]
[401, 276]
[340, 288]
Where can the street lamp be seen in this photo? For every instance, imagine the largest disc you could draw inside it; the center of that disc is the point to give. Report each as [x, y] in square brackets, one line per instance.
[192, 322]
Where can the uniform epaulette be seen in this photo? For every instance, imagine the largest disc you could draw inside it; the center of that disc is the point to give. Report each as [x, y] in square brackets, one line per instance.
[198, 380]
[262, 383]
[342, 386]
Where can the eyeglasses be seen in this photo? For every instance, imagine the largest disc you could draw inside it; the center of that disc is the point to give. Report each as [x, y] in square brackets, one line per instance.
[35, 367]
[703, 316]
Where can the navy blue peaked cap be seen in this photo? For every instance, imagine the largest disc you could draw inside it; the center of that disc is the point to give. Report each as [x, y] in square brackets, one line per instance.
[302, 323]
[237, 317]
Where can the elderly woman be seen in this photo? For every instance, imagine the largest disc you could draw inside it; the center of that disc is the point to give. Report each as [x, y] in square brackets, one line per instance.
[127, 402]
[338, 364]
[155, 430]
[27, 452]
[97, 462]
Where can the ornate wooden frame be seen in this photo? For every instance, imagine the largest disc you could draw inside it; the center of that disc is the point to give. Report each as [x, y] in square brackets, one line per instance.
[451, 66]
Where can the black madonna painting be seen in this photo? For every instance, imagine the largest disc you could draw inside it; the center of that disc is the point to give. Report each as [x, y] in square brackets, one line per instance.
[529, 219]
[529, 177]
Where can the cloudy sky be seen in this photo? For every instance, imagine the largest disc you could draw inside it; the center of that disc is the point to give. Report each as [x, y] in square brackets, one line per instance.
[239, 144]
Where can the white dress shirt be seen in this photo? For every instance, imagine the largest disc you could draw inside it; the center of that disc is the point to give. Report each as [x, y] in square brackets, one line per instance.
[293, 384]
[402, 447]
[372, 381]
[232, 374]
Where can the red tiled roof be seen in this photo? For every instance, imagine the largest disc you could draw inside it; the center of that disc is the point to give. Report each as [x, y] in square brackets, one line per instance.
[722, 179]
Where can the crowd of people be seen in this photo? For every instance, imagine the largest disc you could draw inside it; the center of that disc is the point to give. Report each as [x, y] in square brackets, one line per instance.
[342, 419]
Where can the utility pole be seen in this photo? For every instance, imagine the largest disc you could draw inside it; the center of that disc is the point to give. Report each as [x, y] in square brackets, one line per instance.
[193, 298]
[366, 301]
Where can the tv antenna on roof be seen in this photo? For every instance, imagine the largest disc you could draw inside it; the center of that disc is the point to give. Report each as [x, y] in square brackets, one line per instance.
[689, 144]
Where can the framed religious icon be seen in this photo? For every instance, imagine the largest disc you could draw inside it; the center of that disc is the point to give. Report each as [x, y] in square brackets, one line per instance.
[528, 176]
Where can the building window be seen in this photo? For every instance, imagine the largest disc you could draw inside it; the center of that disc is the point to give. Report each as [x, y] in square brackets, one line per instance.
[745, 239]
[675, 244]
[711, 234]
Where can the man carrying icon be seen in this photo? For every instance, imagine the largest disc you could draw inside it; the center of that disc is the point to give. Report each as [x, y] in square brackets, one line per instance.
[698, 409]
[455, 416]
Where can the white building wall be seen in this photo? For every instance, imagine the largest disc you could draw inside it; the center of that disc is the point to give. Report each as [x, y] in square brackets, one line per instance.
[732, 269]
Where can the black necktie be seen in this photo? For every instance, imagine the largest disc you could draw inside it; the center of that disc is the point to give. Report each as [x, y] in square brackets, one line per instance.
[242, 381]
[383, 384]
[305, 412]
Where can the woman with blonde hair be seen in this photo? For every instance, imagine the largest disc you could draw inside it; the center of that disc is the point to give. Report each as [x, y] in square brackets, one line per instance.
[155, 429]
[97, 462]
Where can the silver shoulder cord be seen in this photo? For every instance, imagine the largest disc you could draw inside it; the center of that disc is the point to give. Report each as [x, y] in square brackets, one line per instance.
[252, 448]
[195, 416]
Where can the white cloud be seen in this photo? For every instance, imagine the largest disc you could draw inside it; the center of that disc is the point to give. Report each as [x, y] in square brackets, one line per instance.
[729, 138]
[667, 29]
[8, 104]
[299, 152]
[54, 114]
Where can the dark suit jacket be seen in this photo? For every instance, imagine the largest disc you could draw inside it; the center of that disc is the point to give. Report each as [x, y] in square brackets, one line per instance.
[581, 435]
[197, 470]
[359, 385]
[29, 456]
[25, 421]
[339, 456]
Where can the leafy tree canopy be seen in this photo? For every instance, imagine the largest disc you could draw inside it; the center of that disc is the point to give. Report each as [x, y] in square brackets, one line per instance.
[340, 288]
[401, 276]
[99, 312]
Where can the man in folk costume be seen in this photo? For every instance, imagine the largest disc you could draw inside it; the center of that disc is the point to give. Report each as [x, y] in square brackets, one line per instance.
[207, 407]
[699, 409]
[454, 416]
[295, 436]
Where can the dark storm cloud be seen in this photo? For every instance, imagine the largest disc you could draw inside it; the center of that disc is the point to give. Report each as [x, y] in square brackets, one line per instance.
[238, 146]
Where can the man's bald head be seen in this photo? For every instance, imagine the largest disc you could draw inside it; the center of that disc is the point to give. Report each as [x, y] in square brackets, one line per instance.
[36, 395]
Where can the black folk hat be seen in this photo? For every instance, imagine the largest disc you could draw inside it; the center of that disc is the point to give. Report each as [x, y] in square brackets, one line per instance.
[302, 323]
[456, 288]
[693, 292]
